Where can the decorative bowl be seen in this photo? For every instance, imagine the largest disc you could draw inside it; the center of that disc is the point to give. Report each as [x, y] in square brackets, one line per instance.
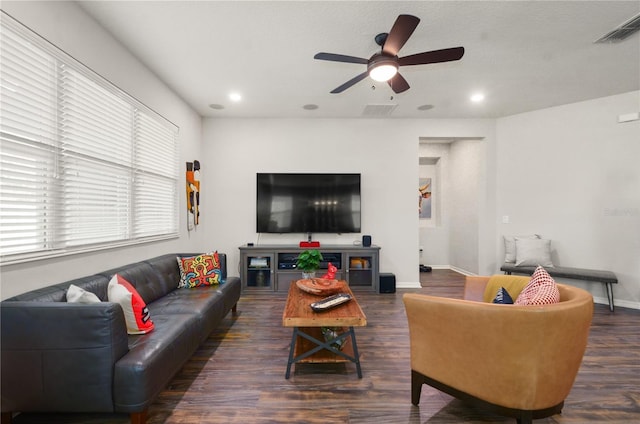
[320, 286]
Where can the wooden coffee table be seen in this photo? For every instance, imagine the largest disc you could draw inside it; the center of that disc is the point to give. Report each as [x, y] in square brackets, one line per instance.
[308, 343]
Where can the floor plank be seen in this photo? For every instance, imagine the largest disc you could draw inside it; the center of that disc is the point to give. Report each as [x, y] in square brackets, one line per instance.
[237, 374]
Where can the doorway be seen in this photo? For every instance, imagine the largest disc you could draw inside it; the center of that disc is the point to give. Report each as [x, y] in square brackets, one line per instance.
[448, 238]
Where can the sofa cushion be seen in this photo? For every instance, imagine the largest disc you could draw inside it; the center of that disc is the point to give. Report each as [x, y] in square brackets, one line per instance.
[206, 304]
[76, 294]
[136, 313]
[541, 290]
[503, 297]
[153, 359]
[201, 270]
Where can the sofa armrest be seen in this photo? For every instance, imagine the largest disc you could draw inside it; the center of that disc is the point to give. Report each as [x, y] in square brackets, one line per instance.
[529, 354]
[58, 356]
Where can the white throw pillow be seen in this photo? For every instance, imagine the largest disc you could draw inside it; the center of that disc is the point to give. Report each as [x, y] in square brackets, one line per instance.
[510, 246]
[76, 294]
[533, 252]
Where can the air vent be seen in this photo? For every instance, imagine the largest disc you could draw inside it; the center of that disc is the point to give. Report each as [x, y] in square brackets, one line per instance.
[378, 110]
[622, 32]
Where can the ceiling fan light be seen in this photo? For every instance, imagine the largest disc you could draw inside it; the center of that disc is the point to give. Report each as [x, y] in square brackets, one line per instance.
[383, 72]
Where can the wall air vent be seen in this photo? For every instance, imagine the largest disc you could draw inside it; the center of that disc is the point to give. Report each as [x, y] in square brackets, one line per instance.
[378, 110]
[622, 32]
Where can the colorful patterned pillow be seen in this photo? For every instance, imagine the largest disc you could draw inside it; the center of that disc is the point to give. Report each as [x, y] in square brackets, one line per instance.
[136, 313]
[541, 290]
[503, 297]
[198, 271]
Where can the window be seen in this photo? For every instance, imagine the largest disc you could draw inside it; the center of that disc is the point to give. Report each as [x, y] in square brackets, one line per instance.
[83, 165]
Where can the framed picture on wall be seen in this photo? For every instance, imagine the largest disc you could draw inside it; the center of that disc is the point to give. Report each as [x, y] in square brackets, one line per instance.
[424, 198]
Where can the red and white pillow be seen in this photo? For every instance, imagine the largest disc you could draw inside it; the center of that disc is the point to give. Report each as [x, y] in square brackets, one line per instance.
[541, 290]
[136, 313]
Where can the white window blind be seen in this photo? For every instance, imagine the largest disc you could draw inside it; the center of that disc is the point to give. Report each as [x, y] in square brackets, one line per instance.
[82, 165]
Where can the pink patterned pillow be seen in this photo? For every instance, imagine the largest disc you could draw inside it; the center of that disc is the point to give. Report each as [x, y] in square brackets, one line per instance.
[541, 290]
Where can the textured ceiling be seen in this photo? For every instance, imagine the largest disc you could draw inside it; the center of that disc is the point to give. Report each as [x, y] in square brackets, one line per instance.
[524, 55]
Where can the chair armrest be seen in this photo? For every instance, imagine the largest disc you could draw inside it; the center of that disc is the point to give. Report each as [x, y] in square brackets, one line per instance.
[474, 287]
[58, 356]
[529, 354]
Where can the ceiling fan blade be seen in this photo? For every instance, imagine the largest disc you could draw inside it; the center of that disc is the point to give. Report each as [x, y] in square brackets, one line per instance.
[399, 34]
[349, 83]
[398, 84]
[435, 56]
[340, 58]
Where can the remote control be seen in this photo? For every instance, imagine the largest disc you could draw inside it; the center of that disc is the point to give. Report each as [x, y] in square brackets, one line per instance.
[330, 302]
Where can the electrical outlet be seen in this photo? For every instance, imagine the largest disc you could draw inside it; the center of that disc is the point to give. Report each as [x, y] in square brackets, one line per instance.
[506, 219]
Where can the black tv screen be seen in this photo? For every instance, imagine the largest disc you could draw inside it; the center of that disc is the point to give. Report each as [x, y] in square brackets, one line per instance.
[308, 203]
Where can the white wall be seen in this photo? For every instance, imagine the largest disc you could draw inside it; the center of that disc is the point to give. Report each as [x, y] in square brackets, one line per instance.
[384, 151]
[466, 159]
[69, 28]
[571, 174]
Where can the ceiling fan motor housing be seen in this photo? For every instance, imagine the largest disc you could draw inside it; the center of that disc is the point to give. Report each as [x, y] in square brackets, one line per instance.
[380, 59]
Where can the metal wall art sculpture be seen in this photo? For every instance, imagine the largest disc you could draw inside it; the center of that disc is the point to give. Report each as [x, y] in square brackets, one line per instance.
[193, 194]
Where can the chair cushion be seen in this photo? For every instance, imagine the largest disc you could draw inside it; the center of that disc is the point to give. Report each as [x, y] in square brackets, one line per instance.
[511, 283]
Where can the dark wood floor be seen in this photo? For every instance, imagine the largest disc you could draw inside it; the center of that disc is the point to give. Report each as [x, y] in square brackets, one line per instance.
[237, 375]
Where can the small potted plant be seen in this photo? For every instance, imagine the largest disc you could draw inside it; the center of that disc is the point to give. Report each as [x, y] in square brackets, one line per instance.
[309, 262]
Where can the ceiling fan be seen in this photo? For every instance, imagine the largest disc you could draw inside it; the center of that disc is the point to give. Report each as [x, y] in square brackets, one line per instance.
[384, 66]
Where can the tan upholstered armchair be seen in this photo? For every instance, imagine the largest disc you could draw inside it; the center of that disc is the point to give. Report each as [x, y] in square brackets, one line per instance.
[518, 361]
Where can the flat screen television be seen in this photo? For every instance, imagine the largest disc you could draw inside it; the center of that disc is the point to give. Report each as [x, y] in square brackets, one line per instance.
[308, 203]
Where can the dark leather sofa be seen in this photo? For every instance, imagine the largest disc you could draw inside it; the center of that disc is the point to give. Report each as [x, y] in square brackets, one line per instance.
[69, 357]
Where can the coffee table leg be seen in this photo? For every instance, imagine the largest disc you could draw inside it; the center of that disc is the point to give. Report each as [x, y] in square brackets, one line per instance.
[356, 354]
[292, 348]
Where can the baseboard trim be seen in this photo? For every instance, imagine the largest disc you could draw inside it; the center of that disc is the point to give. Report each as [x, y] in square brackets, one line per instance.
[452, 268]
[408, 285]
[621, 303]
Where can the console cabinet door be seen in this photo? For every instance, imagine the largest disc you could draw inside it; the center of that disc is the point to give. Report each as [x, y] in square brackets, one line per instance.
[362, 269]
[258, 271]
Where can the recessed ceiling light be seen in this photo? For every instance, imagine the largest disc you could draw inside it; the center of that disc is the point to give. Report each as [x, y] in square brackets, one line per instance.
[310, 106]
[216, 106]
[235, 97]
[477, 98]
